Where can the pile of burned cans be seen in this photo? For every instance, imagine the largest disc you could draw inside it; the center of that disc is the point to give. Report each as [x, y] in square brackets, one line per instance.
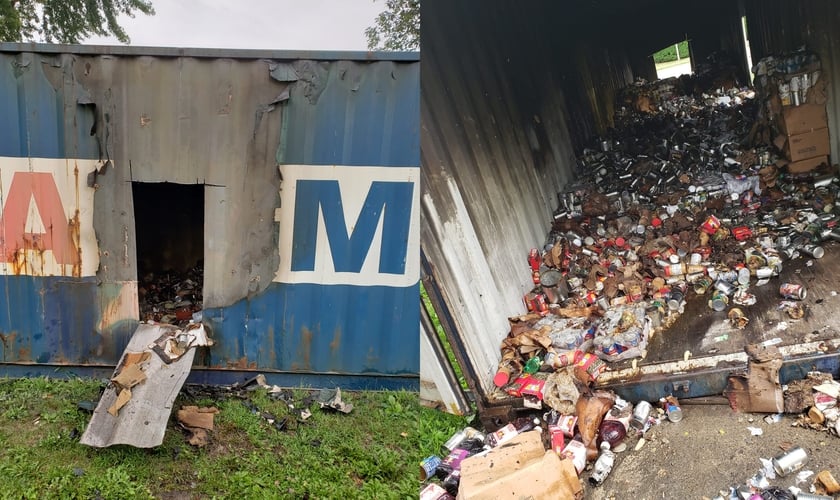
[672, 207]
[592, 434]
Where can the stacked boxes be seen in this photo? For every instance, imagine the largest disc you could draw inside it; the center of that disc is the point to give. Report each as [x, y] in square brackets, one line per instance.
[805, 130]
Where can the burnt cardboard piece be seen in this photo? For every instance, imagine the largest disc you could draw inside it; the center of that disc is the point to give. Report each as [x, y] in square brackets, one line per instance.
[759, 389]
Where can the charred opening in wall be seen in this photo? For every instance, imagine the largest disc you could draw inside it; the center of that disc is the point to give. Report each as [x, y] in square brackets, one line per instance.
[169, 224]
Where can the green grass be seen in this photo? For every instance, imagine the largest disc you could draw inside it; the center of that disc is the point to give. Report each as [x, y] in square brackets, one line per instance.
[450, 354]
[669, 53]
[373, 452]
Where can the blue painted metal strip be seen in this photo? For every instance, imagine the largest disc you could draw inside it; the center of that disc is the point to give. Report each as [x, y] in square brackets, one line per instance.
[319, 328]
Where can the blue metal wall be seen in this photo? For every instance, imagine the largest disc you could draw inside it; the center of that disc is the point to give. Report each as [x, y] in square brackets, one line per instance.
[358, 112]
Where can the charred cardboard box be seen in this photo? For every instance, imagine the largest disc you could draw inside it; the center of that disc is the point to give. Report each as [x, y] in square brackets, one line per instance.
[807, 145]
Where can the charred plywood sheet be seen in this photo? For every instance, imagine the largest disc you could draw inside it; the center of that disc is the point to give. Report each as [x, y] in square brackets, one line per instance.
[47, 218]
[135, 413]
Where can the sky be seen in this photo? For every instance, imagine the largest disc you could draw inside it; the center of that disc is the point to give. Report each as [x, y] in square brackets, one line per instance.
[252, 24]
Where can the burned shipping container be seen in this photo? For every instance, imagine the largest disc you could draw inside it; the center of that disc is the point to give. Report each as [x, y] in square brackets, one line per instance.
[271, 195]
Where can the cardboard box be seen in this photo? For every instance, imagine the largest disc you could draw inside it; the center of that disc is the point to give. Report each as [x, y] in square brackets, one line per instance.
[521, 468]
[800, 119]
[807, 145]
[802, 166]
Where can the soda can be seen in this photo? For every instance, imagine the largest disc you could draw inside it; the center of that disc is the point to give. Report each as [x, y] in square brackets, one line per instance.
[814, 251]
[793, 291]
[672, 408]
[790, 461]
[428, 467]
[641, 413]
[534, 259]
[702, 285]
[695, 259]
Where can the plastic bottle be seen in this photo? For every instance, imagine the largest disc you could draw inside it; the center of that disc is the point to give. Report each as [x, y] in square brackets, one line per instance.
[602, 466]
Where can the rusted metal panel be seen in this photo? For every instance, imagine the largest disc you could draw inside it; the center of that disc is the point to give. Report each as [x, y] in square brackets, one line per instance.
[227, 120]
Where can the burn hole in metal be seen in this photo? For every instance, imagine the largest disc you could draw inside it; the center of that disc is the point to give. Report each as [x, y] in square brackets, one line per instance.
[169, 225]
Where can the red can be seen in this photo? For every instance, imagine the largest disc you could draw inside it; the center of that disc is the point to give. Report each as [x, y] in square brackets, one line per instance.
[711, 225]
[742, 233]
[534, 259]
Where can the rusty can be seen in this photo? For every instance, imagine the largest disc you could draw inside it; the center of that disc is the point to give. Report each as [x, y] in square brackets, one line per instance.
[793, 291]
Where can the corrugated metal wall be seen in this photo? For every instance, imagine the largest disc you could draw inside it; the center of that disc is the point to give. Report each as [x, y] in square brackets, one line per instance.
[779, 26]
[228, 120]
[509, 92]
[495, 151]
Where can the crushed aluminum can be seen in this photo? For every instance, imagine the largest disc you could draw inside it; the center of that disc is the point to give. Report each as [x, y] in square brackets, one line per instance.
[793, 291]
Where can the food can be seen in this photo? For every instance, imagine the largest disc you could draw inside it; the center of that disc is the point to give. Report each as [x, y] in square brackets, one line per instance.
[790, 461]
[641, 413]
[428, 466]
[711, 225]
[719, 301]
[701, 286]
[565, 424]
[744, 276]
[793, 291]
[724, 287]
